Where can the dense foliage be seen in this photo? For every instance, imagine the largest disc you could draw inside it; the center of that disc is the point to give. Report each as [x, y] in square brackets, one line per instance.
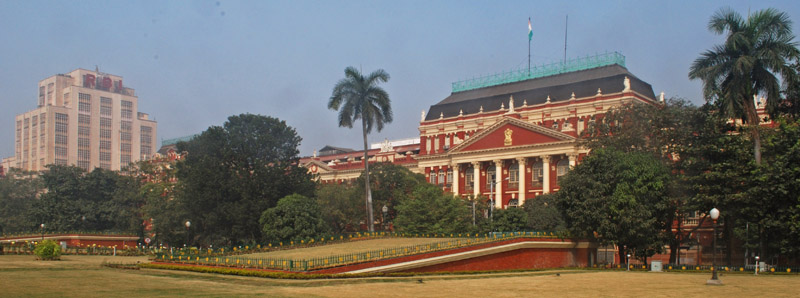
[232, 174]
[294, 218]
[48, 250]
[618, 198]
[18, 190]
[100, 200]
[429, 210]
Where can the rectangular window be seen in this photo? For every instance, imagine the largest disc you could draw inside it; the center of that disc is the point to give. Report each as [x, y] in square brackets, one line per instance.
[83, 142]
[441, 178]
[127, 109]
[105, 122]
[470, 181]
[84, 107]
[105, 133]
[83, 164]
[83, 130]
[83, 97]
[62, 117]
[125, 136]
[105, 166]
[125, 148]
[105, 156]
[61, 140]
[105, 111]
[105, 145]
[125, 125]
[61, 151]
[124, 160]
[61, 161]
[61, 127]
[84, 154]
[84, 119]
[450, 178]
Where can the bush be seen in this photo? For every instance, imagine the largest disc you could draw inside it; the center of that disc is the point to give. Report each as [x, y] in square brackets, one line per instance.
[48, 250]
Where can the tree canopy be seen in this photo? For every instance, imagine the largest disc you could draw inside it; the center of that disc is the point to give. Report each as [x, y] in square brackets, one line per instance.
[233, 173]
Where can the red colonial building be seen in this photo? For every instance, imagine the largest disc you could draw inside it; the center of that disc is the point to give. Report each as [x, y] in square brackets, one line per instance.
[509, 136]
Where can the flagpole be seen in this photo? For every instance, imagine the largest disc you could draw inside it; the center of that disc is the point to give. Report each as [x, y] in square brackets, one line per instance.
[529, 46]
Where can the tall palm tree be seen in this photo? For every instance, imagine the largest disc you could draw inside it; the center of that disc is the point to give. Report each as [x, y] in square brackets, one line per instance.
[360, 97]
[755, 51]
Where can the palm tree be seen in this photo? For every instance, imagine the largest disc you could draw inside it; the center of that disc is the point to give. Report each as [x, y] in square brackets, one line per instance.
[359, 97]
[755, 50]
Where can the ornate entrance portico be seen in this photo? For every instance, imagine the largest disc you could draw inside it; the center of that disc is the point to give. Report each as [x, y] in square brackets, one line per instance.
[513, 155]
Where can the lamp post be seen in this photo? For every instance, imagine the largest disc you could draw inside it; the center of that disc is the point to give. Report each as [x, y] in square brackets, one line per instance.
[491, 197]
[628, 262]
[384, 216]
[187, 224]
[714, 280]
[42, 228]
[756, 265]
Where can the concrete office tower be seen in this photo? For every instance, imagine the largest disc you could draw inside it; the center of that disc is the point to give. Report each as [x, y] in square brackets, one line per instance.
[84, 118]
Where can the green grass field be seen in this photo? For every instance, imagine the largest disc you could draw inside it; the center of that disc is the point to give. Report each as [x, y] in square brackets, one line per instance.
[83, 276]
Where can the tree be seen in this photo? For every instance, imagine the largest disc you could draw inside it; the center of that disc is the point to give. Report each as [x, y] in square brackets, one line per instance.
[543, 213]
[100, 200]
[233, 173]
[340, 206]
[756, 49]
[429, 210]
[389, 183]
[294, 218]
[509, 220]
[18, 191]
[619, 198]
[671, 131]
[359, 97]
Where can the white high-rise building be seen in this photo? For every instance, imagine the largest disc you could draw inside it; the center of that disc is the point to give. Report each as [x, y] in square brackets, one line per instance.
[84, 118]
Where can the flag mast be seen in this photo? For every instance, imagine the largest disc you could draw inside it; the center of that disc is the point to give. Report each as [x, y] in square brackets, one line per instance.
[530, 37]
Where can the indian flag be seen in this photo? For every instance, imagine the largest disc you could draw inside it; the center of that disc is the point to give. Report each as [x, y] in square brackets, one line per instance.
[530, 30]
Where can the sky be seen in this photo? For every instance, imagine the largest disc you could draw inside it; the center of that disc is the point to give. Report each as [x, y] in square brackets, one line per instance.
[195, 63]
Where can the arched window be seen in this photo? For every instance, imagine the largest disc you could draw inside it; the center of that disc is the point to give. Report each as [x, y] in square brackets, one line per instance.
[513, 175]
[490, 176]
[562, 167]
[537, 174]
[450, 177]
[469, 179]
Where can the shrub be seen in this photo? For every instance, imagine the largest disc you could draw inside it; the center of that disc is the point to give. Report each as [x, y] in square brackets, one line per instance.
[48, 250]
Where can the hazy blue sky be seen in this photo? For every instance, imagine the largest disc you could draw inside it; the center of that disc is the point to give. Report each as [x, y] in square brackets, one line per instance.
[194, 63]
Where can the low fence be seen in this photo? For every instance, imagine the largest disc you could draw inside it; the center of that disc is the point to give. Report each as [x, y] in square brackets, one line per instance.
[211, 258]
[26, 248]
[709, 268]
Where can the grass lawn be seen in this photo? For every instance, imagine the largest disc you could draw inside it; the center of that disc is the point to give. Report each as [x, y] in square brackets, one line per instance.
[346, 248]
[82, 276]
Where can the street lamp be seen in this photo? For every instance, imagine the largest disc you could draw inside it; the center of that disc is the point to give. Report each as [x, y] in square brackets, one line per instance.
[42, 227]
[714, 280]
[757, 265]
[491, 197]
[628, 262]
[384, 216]
[187, 224]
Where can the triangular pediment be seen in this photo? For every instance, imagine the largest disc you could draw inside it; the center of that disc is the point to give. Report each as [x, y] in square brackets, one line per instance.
[509, 133]
[315, 166]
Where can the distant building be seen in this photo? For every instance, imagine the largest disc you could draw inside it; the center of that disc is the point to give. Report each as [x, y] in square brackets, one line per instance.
[83, 118]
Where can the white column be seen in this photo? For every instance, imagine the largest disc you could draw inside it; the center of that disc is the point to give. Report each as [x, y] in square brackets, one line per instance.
[572, 159]
[522, 181]
[498, 185]
[545, 173]
[456, 177]
[476, 178]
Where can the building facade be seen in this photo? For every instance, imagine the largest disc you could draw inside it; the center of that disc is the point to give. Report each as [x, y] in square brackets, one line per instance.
[507, 137]
[83, 118]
